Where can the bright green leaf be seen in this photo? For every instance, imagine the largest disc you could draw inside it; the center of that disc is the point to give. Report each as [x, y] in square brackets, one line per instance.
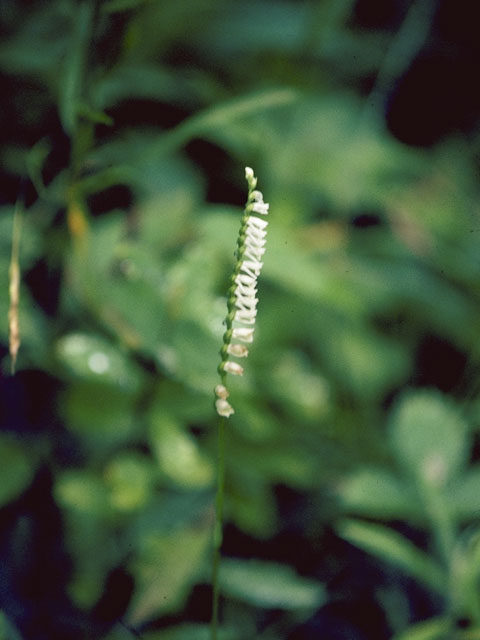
[377, 493]
[82, 492]
[130, 478]
[391, 547]
[189, 632]
[434, 629]
[165, 567]
[90, 357]
[100, 414]
[429, 437]
[177, 453]
[268, 585]
[463, 495]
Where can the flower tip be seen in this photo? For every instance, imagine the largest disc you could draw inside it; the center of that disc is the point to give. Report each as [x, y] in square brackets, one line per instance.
[250, 177]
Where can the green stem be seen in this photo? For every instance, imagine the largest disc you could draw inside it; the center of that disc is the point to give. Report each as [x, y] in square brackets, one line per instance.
[218, 527]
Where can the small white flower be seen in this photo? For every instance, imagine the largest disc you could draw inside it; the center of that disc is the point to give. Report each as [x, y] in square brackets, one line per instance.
[254, 253]
[257, 222]
[233, 367]
[243, 334]
[245, 289]
[247, 316]
[246, 281]
[254, 235]
[224, 408]
[252, 267]
[245, 296]
[221, 391]
[238, 350]
[257, 196]
[260, 207]
[245, 300]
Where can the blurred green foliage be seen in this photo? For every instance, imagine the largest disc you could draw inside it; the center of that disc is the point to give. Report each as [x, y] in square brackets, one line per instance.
[360, 399]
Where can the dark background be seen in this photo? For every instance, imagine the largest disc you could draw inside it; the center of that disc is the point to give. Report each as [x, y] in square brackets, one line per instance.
[125, 128]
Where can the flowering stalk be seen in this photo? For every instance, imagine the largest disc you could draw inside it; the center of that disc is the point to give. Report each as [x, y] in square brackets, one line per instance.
[241, 314]
[14, 290]
[242, 300]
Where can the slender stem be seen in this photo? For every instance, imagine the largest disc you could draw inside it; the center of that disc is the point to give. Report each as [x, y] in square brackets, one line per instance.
[218, 528]
[14, 289]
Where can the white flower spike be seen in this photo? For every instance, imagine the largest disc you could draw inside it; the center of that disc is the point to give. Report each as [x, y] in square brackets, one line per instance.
[242, 295]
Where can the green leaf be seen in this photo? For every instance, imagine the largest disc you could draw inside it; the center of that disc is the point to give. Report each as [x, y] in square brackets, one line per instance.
[105, 178]
[377, 493]
[16, 469]
[366, 362]
[82, 492]
[130, 478]
[90, 357]
[40, 44]
[268, 585]
[94, 115]
[87, 514]
[301, 390]
[206, 123]
[35, 162]
[101, 414]
[112, 6]
[463, 495]
[429, 437]
[189, 632]
[148, 81]
[251, 503]
[434, 629]
[464, 583]
[7, 630]
[165, 567]
[71, 88]
[177, 453]
[389, 546]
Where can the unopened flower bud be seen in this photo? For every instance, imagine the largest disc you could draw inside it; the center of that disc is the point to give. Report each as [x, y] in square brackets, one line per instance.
[250, 176]
[233, 367]
[221, 391]
[238, 350]
[243, 334]
[224, 408]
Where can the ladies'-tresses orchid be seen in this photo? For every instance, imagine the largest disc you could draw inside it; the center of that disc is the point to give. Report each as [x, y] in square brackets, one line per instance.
[242, 300]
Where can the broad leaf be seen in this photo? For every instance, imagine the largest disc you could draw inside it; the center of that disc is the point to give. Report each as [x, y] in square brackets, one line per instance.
[267, 585]
[390, 546]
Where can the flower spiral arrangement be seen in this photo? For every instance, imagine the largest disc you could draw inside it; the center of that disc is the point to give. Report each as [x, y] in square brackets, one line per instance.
[240, 320]
[242, 301]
